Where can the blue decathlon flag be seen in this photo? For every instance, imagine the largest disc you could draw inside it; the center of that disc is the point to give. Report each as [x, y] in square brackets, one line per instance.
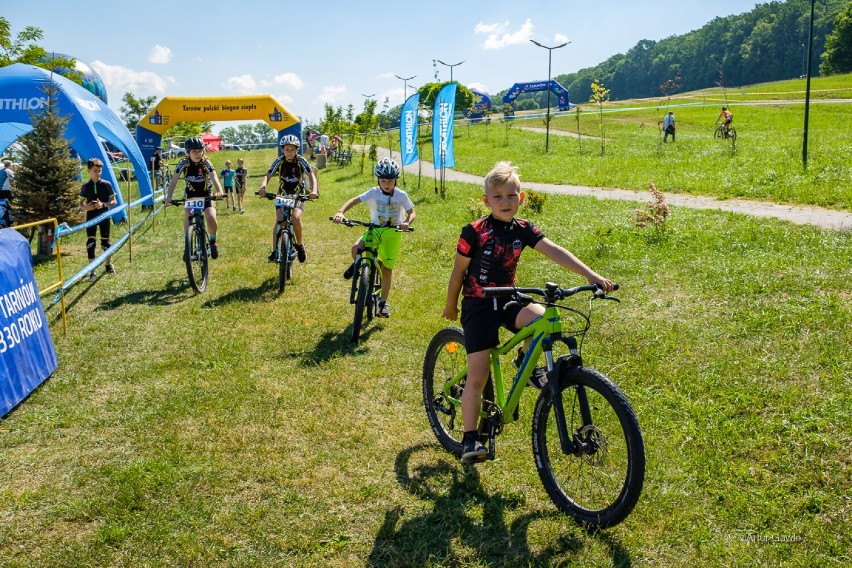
[27, 355]
[442, 127]
[408, 130]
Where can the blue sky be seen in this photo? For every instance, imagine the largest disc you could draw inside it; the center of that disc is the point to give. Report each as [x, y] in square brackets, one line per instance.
[307, 53]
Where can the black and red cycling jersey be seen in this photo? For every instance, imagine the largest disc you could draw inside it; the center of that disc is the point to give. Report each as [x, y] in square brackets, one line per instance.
[290, 174]
[494, 247]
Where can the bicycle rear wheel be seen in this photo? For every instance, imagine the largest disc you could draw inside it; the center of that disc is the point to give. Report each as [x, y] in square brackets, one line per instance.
[361, 299]
[445, 358]
[284, 259]
[599, 486]
[195, 257]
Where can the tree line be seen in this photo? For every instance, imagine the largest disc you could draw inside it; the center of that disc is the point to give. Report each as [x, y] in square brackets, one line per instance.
[769, 43]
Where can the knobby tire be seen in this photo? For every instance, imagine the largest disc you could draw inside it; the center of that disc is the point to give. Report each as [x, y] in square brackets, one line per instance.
[445, 358]
[195, 257]
[284, 259]
[601, 488]
[361, 300]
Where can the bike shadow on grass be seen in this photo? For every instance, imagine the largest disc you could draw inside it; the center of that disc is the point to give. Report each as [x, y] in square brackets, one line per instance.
[334, 344]
[432, 538]
[264, 292]
[174, 292]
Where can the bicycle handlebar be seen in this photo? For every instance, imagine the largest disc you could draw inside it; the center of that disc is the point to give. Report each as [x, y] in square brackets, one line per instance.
[550, 292]
[297, 196]
[388, 225]
[182, 201]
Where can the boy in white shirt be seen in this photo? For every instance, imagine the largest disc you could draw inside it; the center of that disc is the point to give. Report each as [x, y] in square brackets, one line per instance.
[388, 205]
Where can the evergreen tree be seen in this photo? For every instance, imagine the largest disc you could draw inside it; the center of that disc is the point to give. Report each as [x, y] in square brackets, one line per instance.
[45, 177]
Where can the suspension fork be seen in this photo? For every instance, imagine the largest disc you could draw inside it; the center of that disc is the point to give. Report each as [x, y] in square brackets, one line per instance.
[566, 440]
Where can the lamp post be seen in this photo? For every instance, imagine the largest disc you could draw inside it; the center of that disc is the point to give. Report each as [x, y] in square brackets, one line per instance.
[450, 65]
[549, 54]
[405, 86]
[808, 91]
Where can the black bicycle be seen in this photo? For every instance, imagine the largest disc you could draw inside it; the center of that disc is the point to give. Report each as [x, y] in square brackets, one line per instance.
[285, 238]
[196, 245]
[367, 275]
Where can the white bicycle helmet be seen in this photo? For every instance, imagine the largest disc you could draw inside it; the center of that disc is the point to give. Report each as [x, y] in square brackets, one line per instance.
[291, 140]
[387, 169]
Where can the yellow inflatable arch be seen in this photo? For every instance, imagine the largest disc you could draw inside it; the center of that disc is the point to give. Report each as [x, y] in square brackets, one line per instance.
[171, 110]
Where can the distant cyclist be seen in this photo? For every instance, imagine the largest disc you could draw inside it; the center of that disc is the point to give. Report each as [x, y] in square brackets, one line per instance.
[727, 117]
[199, 175]
[291, 170]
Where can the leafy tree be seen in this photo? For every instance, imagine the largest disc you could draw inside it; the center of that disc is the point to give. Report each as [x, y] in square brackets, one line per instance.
[134, 109]
[188, 129]
[600, 95]
[837, 57]
[429, 92]
[23, 49]
[264, 133]
[45, 177]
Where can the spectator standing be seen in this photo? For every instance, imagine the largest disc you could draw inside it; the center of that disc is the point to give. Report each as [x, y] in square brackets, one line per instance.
[669, 126]
[7, 184]
[240, 178]
[228, 176]
[96, 195]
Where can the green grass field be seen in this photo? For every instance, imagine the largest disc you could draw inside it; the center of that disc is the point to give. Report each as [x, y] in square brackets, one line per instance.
[766, 164]
[241, 428]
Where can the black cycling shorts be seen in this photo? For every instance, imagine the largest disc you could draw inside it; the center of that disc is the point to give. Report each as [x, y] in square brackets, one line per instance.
[481, 319]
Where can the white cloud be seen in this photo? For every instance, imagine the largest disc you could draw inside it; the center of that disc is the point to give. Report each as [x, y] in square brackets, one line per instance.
[499, 37]
[286, 99]
[394, 97]
[478, 86]
[559, 38]
[331, 94]
[241, 84]
[160, 54]
[122, 79]
[385, 76]
[290, 80]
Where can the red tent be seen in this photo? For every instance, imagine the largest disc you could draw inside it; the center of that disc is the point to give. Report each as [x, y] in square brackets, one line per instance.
[211, 141]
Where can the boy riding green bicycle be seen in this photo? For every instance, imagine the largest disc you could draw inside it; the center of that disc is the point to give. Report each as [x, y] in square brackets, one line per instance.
[487, 255]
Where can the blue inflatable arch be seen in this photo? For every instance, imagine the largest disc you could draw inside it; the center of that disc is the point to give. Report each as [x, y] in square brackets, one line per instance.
[89, 120]
[562, 101]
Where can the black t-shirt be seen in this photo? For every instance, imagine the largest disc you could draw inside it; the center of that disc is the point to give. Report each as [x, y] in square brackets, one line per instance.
[240, 177]
[494, 248]
[157, 158]
[102, 191]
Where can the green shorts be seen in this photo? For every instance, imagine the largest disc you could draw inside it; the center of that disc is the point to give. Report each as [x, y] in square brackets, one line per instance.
[389, 242]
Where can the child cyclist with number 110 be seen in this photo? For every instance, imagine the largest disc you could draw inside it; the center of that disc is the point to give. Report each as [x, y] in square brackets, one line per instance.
[487, 255]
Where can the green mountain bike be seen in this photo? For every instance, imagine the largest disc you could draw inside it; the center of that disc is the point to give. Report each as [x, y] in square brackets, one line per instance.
[586, 440]
[367, 276]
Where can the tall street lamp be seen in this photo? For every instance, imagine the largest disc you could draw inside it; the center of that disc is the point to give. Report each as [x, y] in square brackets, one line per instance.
[450, 65]
[549, 54]
[405, 87]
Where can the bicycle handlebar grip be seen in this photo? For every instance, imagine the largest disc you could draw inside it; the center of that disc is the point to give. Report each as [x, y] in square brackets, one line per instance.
[496, 291]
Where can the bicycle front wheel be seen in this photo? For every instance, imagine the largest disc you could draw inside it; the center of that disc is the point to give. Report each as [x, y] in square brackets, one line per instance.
[195, 257]
[445, 358]
[284, 259]
[600, 484]
[361, 299]
[732, 134]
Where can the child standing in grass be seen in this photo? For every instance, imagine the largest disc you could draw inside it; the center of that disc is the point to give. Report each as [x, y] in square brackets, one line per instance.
[487, 255]
[388, 204]
[228, 176]
[240, 178]
[97, 195]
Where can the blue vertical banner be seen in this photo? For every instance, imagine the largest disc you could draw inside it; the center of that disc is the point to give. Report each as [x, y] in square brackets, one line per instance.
[27, 355]
[442, 127]
[408, 122]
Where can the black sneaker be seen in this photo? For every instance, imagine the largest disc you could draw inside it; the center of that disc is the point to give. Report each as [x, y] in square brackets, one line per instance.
[539, 375]
[214, 250]
[110, 268]
[300, 252]
[273, 256]
[349, 271]
[473, 451]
